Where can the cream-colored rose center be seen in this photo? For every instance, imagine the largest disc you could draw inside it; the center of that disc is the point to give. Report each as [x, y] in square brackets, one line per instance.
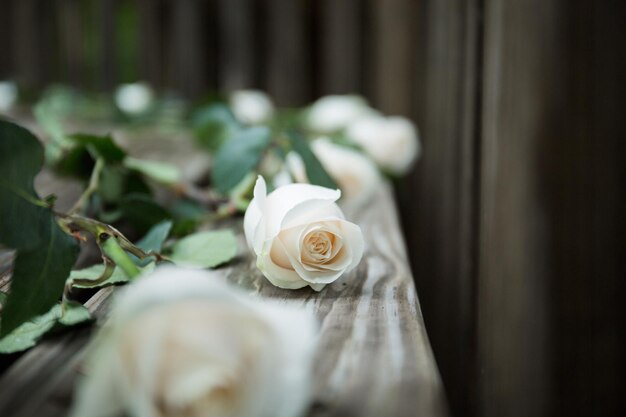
[317, 247]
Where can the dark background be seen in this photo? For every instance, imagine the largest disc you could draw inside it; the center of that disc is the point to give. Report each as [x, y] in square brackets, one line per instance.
[514, 216]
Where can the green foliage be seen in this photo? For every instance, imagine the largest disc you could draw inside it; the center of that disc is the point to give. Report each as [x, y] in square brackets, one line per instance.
[142, 211]
[27, 334]
[187, 216]
[45, 254]
[314, 170]
[38, 277]
[213, 125]
[21, 157]
[205, 249]
[159, 171]
[99, 147]
[238, 156]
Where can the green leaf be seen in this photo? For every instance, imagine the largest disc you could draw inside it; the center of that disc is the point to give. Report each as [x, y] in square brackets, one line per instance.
[238, 156]
[73, 313]
[188, 215]
[23, 217]
[214, 125]
[153, 241]
[159, 171]
[99, 147]
[142, 211]
[314, 170]
[3, 297]
[117, 181]
[205, 249]
[45, 254]
[118, 277]
[27, 334]
[38, 277]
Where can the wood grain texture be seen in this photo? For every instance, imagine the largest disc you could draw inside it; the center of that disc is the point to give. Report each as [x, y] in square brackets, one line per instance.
[550, 320]
[438, 200]
[373, 358]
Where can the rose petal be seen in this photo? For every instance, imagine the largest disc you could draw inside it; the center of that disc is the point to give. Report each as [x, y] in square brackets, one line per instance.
[253, 224]
[354, 240]
[299, 198]
[281, 277]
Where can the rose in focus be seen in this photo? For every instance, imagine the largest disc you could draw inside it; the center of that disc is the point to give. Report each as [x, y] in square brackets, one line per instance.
[179, 343]
[300, 235]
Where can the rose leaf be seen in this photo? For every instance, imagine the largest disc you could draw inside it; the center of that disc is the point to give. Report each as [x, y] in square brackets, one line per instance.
[314, 169]
[238, 156]
[27, 334]
[206, 249]
[213, 125]
[162, 172]
[45, 254]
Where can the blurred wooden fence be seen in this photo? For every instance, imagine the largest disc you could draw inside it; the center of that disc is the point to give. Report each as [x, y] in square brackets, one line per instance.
[512, 216]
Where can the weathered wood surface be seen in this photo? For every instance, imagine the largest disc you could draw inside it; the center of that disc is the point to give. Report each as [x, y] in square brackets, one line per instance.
[374, 357]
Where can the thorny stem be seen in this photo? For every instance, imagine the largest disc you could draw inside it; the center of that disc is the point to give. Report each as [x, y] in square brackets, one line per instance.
[113, 246]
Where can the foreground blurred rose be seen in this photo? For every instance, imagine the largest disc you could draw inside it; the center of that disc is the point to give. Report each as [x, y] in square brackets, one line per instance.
[357, 176]
[181, 344]
[135, 98]
[333, 113]
[392, 142]
[8, 95]
[300, 236]
[251, 106]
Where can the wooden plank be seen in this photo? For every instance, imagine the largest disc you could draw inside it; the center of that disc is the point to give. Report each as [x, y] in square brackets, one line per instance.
[288, 72]
[438, 200]
[26, 45]
[374, 357]
[191, 47]
[550, 318]
[513, 286]
[393, 59]
[151, 39]
[71, 43]
[236, 21]
[7, 42]
[109, 73]
[341, 37]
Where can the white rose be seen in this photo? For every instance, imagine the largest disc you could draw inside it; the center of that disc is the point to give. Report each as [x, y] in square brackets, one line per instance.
[8, 95]
[180, 343]
[251, 107]
[333, 113]
[392, 142]
[134, 98]
[300, 235]
[357, 176]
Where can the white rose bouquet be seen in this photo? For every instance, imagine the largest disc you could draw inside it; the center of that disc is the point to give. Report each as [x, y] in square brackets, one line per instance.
[181, 344]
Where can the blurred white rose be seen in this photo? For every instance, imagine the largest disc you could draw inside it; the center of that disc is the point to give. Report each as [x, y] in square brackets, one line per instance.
[333, 113]
[179, 343]
[251, 107]
[134, 98]
[357, 176]
[300, 235]
[8, 95]
[392, 142]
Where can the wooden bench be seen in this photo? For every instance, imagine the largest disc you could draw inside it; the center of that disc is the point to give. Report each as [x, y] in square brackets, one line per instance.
[374, 357]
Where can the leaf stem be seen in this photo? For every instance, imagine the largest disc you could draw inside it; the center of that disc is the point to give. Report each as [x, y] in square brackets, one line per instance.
[114, 251]
[91, 187]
